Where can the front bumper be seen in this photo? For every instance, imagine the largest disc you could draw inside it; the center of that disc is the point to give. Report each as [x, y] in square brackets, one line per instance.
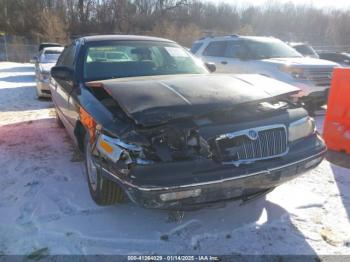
[218, 184]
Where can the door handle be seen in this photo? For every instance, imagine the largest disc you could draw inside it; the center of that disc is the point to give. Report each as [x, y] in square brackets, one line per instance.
[224, 62]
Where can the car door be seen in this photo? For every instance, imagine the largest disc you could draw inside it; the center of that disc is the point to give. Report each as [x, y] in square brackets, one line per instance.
[215, 53]
[236, 58]
[62, 89]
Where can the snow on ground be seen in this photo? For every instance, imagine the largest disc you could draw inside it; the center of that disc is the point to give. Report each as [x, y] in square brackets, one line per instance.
[45, 203]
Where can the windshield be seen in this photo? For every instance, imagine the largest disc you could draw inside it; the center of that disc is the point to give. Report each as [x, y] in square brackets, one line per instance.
[50, 56]
[270, 49]
[118, 59]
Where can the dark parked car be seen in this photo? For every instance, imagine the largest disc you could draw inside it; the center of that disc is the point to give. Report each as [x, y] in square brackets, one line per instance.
[156, 127]
[304, 49]
[341, 58]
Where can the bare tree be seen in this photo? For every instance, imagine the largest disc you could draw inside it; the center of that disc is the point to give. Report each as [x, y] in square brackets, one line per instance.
[181, 20]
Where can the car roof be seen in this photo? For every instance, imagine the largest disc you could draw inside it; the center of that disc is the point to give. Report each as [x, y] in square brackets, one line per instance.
[54, 48]
[96, 38]
[298, 44]
[333, 53]
[330, 53]
[234, 37]
[47, 44]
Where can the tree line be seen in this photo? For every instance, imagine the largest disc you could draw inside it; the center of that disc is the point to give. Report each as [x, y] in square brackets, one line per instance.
[180, 20]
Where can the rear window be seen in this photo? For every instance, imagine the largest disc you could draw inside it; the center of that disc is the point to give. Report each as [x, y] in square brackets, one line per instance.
[49, 56]
[217, 48]
[195, 47]
[52, 52]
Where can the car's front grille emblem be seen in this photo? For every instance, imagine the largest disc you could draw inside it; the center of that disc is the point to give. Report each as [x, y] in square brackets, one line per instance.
[253, 135]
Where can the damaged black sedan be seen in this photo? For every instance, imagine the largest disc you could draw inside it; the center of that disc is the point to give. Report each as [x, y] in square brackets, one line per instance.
[156, 127]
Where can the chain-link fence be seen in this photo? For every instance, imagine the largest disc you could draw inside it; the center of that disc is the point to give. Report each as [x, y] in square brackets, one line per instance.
[17, 52]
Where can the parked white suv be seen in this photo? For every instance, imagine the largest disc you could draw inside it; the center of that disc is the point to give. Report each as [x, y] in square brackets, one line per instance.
[270, 57]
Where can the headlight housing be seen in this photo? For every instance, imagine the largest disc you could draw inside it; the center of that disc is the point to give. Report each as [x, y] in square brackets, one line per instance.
[295, 72]
[301, 128]
[115, 149]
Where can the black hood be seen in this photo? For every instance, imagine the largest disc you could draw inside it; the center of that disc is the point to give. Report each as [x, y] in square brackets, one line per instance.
[156, 100]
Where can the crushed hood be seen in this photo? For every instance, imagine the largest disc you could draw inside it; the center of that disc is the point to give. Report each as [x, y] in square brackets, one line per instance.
[160, 99]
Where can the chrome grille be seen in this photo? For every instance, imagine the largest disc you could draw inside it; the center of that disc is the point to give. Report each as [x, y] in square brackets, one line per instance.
[252, 144]
[319, 76]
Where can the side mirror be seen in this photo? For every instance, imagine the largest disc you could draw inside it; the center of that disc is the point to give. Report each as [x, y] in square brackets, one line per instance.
[62, 73]
[211, 67]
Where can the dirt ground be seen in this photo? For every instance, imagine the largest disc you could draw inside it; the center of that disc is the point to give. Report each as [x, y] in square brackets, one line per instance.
[45, 204]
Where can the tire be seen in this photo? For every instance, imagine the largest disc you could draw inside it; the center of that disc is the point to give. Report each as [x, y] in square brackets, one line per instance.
[58, 120]
[102, 190]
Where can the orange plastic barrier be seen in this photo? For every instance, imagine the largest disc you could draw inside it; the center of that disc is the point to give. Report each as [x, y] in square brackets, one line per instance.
[336, 129]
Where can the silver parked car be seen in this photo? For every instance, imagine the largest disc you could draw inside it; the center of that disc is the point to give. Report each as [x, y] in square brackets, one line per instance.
[270, 57]
[304, 49]
[46, 59]
[341, 58]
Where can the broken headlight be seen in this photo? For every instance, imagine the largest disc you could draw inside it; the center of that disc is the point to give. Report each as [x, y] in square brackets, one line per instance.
[115, 149]
[301, 128]
[172, 144]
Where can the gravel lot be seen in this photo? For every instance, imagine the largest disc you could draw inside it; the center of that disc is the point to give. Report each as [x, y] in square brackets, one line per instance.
[45, 203]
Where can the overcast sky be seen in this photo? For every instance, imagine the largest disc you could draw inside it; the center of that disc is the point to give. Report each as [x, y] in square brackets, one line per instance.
[339, 4]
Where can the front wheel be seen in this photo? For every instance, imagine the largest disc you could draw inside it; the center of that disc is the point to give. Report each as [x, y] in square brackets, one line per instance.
[103, 191]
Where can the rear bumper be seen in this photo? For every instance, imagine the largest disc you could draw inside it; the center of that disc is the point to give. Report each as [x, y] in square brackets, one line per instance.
[230, 183]
[43, 89]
